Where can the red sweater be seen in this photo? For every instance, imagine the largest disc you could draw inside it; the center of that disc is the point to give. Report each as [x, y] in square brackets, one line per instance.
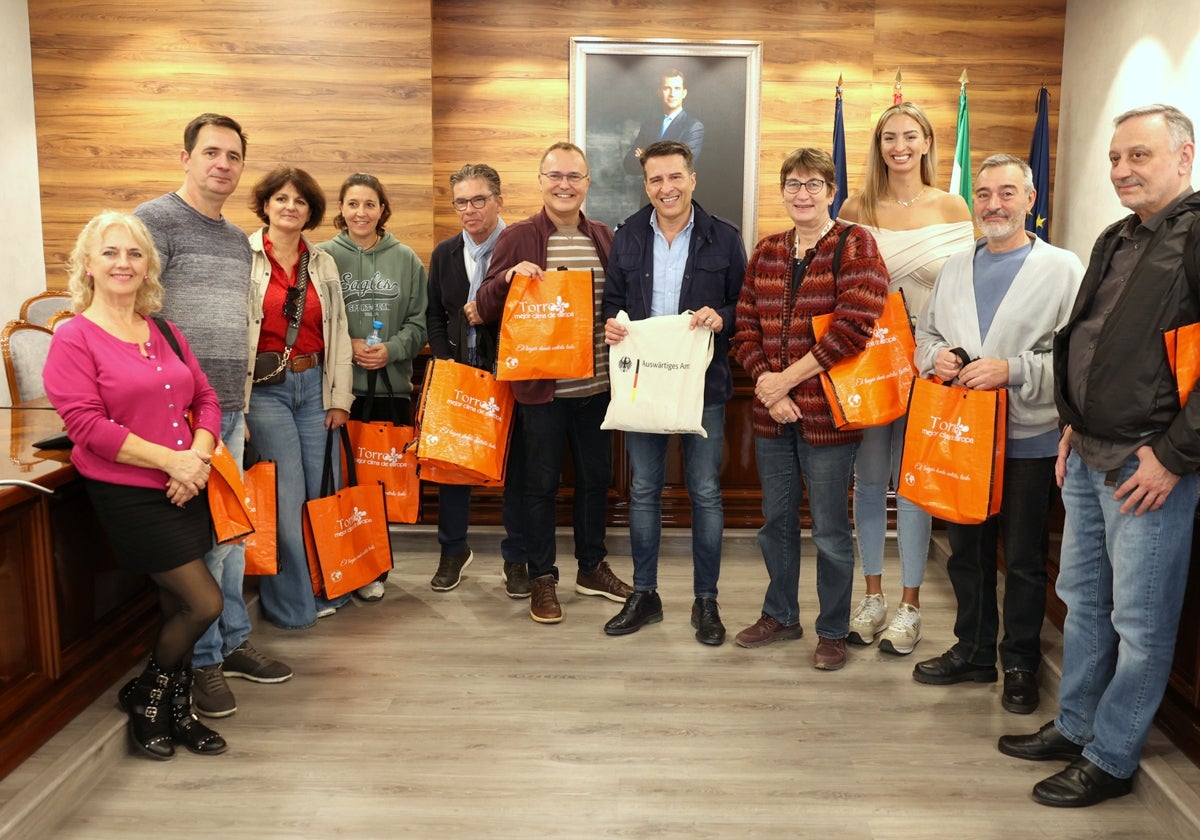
[774, 327]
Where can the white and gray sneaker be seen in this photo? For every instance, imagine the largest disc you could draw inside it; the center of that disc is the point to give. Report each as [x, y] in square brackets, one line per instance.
[869, 618]
[904, 632]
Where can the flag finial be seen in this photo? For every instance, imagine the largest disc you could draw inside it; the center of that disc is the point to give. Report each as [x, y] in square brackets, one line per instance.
[897, 90]
[962, 80]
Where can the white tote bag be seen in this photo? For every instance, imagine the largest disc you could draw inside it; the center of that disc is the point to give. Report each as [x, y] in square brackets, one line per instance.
[656, 376]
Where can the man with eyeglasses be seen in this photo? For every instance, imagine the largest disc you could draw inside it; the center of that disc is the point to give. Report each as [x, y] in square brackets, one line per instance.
[556, 413]
[206, 282]
[672, 257]
[674, 124]
[456, 271]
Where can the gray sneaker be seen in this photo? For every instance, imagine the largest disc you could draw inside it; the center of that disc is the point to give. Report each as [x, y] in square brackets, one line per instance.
[516, 580]
[450, 569]
[246, 662]
[210, 693]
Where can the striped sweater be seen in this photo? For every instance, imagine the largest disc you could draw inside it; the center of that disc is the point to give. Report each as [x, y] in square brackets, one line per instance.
[774, 327]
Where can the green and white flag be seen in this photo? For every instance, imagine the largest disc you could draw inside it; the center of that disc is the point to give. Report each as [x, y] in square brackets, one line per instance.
[960, 179]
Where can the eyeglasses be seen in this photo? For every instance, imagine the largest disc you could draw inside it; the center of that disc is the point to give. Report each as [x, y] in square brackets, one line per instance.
[814, 185]
[476, 201]
[291, 303]
[570, 177]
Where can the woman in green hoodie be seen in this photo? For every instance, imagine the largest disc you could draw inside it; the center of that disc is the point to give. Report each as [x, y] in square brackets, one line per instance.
[384, 283]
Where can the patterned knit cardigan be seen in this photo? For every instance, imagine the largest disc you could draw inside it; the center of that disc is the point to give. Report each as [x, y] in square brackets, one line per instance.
[774, 328]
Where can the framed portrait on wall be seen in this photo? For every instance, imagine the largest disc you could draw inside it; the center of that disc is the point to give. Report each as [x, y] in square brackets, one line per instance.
[628, 94]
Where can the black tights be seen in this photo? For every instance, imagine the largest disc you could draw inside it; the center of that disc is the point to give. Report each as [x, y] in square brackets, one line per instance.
[190, 601]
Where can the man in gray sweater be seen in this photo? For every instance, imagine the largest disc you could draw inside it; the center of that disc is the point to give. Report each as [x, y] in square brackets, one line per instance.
[206, 279]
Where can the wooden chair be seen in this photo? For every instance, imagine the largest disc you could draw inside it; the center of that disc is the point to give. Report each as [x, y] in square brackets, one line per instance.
[24, 347]
[39, 308]
[53, 322]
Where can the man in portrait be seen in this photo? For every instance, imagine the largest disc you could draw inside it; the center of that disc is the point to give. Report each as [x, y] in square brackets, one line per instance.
[674, 124]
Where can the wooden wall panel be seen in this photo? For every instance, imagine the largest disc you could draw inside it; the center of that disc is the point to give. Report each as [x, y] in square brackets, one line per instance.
[497, 76]
[333, 87]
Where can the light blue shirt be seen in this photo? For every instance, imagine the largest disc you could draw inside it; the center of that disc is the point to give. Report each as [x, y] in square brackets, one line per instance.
[669, 262]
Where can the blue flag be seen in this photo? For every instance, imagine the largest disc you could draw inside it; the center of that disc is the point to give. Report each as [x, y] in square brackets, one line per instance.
[839, 155]
[1038, 220]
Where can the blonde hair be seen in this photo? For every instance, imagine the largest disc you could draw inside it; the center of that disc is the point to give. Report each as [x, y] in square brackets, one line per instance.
[81, 285]
[876, 186]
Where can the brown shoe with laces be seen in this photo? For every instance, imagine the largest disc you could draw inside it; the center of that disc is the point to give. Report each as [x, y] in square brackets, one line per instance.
[603, 582]
[830, 654]
[766, 630]
[543, 600]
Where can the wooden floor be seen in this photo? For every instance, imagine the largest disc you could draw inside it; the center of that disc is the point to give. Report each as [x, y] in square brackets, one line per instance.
[452, 715]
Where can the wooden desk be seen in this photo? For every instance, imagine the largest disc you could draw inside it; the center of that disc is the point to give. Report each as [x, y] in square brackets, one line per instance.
[70, 622]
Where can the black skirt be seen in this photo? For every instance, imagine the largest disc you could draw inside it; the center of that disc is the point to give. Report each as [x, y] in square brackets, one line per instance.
[147, 533]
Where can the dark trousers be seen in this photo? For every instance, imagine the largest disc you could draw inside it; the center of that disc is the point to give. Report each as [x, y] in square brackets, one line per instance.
[1021, 524]
[454, 507]
[547, 429]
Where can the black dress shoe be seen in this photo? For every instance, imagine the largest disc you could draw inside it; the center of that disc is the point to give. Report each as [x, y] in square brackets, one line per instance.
[951, 668]
[1044, 745]
[706, 618]
[1080, 785]
[1020, 692]
[640, 608]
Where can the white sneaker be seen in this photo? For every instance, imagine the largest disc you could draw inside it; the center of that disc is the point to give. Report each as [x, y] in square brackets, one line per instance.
[904, 632]
[373, 591]
[868, 620]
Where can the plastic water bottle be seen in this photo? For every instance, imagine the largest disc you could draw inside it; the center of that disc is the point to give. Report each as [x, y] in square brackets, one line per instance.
[374, 338]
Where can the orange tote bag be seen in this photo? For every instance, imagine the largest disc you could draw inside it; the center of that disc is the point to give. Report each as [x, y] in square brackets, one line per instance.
[464, 423]
[872, 388]
[953, 460]
[262, 556]
[227, 498]
[1183, 355]
[546, 331]
[382, 452]
[345, 531]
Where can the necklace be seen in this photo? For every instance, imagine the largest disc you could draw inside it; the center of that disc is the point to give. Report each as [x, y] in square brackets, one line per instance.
[912, 200]
[796, 238]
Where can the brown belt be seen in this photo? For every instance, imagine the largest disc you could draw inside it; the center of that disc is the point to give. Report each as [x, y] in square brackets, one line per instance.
[299, 364]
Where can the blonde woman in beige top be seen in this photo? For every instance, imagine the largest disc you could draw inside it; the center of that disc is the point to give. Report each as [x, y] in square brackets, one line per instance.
[917, 227]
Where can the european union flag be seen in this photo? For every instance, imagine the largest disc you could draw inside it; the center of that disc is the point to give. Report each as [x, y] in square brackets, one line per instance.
[839, 154]
[1038, 221]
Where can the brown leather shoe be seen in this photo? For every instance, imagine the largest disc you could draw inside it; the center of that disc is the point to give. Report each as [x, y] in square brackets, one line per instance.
[543, 600]
[601, 581]
[830, 654]
[766, 630]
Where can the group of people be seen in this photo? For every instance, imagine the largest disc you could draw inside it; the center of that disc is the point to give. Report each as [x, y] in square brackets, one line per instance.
[280, 329]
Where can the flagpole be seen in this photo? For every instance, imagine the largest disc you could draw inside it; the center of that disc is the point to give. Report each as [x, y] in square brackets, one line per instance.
[897, 90]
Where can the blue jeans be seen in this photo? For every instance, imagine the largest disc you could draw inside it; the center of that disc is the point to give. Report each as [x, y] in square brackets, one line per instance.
[702, 473]
[546, 429]
[228, 566]
[287, 426]
[1122, 578]
[454, 508]
[825, 470]
[878, 463]
[1021, 524]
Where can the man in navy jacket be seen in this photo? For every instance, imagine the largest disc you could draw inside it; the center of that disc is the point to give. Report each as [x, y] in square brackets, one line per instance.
[672, 257]
[674, 124]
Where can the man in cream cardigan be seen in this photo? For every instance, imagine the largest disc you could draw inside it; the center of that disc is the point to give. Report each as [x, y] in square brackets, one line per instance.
[990, 324]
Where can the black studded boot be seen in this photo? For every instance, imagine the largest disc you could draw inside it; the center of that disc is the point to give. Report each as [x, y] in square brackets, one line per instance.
[147, 701]
[186, 728]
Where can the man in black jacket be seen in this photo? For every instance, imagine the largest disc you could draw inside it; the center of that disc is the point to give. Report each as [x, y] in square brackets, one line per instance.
[668, 258]
[456, 331]
[1127, 466]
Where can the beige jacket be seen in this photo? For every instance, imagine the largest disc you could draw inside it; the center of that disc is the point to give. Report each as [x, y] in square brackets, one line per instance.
[338, 373]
